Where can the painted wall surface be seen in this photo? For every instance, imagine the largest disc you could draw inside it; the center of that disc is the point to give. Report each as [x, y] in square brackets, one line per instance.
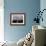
[1, 21]
[29, 7]
[43, 6]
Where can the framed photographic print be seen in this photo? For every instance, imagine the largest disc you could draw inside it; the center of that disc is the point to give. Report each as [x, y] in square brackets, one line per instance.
[17, 18]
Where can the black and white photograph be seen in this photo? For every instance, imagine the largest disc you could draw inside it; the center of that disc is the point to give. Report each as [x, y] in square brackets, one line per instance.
[17, 18]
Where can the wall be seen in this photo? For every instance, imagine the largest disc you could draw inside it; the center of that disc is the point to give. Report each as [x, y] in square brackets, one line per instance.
[1, 21]
[43, 6]
[29, 7]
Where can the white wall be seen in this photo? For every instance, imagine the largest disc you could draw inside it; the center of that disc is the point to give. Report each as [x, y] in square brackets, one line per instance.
[1, 20]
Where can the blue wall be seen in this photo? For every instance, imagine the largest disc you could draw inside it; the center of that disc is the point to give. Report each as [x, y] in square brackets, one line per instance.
[30, 7]
[43, 6]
